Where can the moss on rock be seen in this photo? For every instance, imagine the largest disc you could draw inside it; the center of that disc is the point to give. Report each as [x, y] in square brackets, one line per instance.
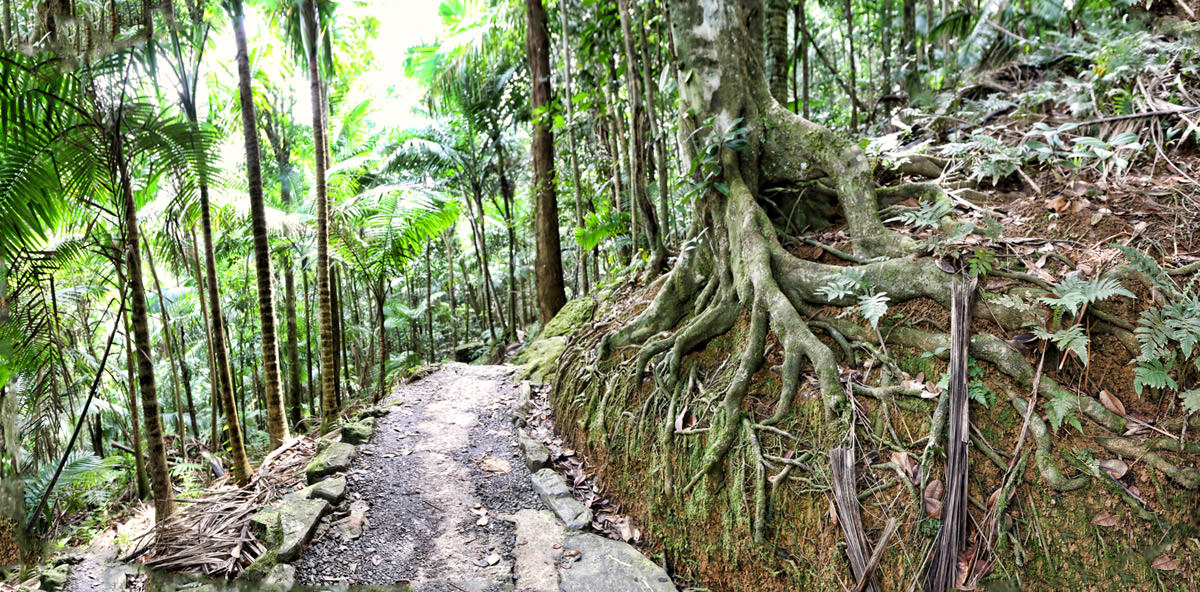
[572, 314]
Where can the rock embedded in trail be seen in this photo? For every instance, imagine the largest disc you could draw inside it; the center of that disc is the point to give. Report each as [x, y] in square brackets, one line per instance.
[537, 456]
[605, 565]
[331, 490]
[358, 432]
[553, 491]
[336, 458]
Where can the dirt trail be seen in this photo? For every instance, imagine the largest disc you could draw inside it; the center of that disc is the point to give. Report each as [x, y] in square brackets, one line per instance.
[425, 493]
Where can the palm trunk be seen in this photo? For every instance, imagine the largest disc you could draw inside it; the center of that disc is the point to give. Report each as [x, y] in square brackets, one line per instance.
[850, 56]
[548, 270]
[339, 331]
[313, 410]
[214, 390]
[775, 25]
[277, 428]
[324, 297]
[293, 345]
[139, 461]
[380, 299]
[429, 299]
[446, 237]
[160, 474]
[510, 227]
[170, 348]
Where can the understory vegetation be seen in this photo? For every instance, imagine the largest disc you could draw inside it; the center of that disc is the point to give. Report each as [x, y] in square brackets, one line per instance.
[222, 223]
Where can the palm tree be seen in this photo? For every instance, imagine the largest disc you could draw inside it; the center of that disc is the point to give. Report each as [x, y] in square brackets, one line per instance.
[309, 15]
[277, 428]
[85, 145]
[186, 67]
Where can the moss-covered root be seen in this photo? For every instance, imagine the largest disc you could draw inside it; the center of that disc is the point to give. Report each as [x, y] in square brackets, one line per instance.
[731, 404]
[1042, 456]
[1187, 478]
[679, 288]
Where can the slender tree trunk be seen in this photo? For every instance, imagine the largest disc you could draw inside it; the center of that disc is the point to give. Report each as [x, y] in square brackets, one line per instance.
[277, 428]
[380, 298]
[548, 266]
[186, 374]
[429, 299]
[802, 39]
[214, 398]
[655, 144]
[170, 349]
[341, 360]
[313, 410]
[293, 343]
[139, 461]
[446, 240]
[160, 474]
[510, 227]
[584, 284]
[637, 147]
[324, 298]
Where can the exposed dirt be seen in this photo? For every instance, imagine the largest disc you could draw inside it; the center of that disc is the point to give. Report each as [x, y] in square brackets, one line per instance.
[441, 462]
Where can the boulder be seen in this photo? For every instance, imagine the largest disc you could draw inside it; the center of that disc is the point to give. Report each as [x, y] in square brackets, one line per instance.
[54, 579]
[553, 491]
[570, 316]
[469, 352]
[537, 456]
[298, 519]
[605, 565]
[331, 490]
[281, 578]
[374, 412]
[335, 458]
[541, 359]
[265, 523]
[358, 432]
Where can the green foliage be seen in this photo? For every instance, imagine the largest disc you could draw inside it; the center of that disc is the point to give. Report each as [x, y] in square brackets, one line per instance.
[1072, 339]
[981, 262]
[79, 470]
[873, 307]
[847, 282]
[986, 157]
[706, 168]
[928, 215]
[1072, 293]
[1060, 409]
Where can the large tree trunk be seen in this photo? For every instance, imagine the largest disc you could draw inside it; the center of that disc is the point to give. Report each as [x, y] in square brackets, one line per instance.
[156, 450]
[277, 428]
[324, 297]
[721, 47]
[777, 49]
[548, 265]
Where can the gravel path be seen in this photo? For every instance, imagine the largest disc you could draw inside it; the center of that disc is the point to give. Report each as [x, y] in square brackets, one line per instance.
[439, 469]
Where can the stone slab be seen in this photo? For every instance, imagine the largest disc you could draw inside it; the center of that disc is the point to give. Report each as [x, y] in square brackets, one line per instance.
[605, 565]
[335, 458]
[553, 491]
[298, 519]
[537, 456]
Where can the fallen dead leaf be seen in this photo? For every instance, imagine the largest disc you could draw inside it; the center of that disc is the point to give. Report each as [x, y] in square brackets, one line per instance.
[933, 498]
[492, 464]
[1115, 467]
[906, 464]
[1165, 563]
[1105, 519]
[833, 513]
[1112, 403]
